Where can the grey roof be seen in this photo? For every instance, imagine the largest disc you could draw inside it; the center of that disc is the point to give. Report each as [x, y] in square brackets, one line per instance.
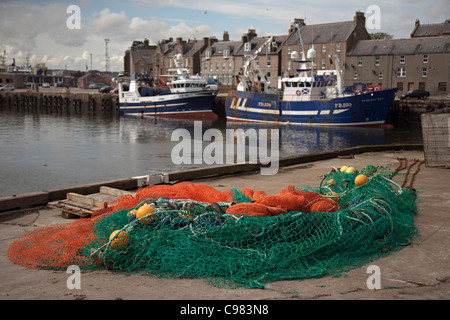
[401, 46]
[434, 29]
[322, 33]
[195, 46]
[257, 42]
[218, 47]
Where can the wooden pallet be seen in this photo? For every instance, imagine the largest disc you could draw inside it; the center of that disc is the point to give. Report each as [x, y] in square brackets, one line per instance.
[78, 205]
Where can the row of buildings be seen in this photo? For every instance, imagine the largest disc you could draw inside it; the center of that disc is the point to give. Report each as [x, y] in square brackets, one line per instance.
[419, 62]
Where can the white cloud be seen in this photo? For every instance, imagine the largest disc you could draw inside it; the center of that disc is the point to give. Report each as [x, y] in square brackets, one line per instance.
[38, 30]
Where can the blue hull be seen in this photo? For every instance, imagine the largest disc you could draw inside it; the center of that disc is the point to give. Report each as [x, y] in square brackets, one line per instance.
[365, 109]
[172, 105]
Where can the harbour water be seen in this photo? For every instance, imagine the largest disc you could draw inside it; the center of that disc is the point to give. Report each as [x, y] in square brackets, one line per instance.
[47, 151]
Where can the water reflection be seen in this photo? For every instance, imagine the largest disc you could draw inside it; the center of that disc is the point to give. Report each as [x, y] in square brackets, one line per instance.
[46, 151]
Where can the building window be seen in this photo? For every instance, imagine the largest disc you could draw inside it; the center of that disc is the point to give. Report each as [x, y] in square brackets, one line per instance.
[217, 66]
[247, 46]
[425, 58]
[208, 54]
[268, 61]
[322, 65]
[338, 47]
[223, 66]
[360, 61]
[205, 67]
[421, 85]
[230, 66]
[324, 48]
[399, 86]
[442, 86]
[355, 75]
[186, 64]
[401, 72]
[377, 60]
[211, 66]
[226, 53]
[402, 59]
[424, 72]
[380, 76]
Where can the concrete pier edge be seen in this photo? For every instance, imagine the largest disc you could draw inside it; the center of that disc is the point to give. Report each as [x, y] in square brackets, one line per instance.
[42, 198]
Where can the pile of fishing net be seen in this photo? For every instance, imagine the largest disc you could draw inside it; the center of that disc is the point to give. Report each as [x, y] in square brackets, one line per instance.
[235, 237]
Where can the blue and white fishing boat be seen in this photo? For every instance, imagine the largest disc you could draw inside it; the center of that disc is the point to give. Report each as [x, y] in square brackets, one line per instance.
[307, 98]
[188, 97]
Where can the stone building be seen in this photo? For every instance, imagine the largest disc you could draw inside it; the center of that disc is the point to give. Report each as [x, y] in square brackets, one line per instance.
[93, 77]
[420, 62]
[139, 58]
[224, 59]
[431, 29]
[327, 39]
[218, 60]
[190, 50]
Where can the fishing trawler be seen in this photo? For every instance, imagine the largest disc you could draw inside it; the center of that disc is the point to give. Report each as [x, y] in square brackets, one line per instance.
[308, 98]
[187, 97]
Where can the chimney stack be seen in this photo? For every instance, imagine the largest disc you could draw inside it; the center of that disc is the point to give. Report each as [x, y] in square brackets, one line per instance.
[226, 36]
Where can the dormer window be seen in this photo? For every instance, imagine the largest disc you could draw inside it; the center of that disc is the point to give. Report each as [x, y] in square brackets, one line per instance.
[247, 47]
[208, 54]
[226, 53]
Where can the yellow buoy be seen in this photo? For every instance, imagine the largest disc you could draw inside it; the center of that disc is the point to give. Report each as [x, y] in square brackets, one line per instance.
[144, 211]
[350, 170]
[120, 241]
[332, 195]
[361, 179]
[344, 168]
[131, 213]
[331, 184]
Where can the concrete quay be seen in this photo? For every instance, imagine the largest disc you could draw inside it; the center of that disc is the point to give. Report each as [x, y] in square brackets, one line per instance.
[419, 271]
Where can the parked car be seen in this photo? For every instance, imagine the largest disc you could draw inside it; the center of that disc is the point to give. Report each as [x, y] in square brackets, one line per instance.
[46, 85]
[114, 90]
[7, 87]
[106, 89]
[415, 94]
[61, 84]
[97, 85]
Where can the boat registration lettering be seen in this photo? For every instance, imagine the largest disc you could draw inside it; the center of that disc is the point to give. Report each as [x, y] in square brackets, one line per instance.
[264, 104]
[343, 105]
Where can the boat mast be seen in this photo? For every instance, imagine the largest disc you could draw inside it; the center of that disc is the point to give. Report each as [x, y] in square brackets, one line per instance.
[303, 71]
[252, 74]
[338, 74]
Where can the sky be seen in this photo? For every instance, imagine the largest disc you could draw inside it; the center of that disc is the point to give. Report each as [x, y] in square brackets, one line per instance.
[40, 30]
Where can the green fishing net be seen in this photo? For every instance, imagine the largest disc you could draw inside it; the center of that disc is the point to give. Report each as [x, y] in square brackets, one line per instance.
[192, 239]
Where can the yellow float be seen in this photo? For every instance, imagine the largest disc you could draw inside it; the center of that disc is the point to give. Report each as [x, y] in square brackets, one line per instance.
[119, 239]
[143, 211]
[361, 179]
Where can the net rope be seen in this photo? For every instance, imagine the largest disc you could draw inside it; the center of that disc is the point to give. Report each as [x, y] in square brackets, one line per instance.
[237, 237]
